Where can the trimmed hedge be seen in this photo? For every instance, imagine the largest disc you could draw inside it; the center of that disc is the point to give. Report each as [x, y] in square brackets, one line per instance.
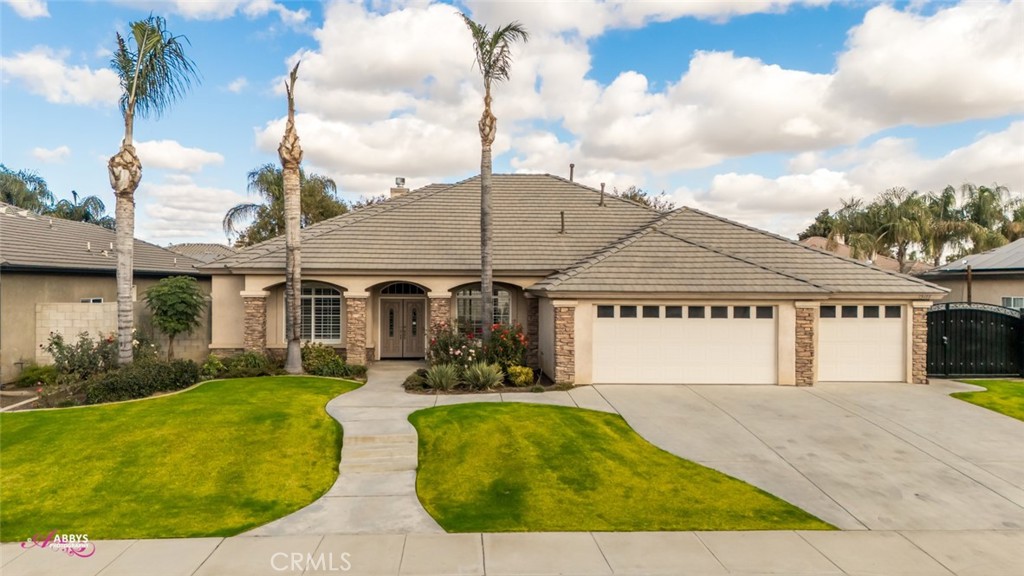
[141, 379]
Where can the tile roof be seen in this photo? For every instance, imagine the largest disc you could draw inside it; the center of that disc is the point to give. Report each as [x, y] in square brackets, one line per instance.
[31, 241]
[1008, 258]
[438, 229]
[202, 251]
[880, 260]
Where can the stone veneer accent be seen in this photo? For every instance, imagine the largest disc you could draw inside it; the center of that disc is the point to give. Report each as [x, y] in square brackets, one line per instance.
[355, 329]
[565, 344]
[255, 338]
[805, 349]
[919, 366]
[532, 332]
[440, 310]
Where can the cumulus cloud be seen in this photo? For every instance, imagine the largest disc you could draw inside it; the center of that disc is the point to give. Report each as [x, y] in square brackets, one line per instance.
[180, 209]
[223, 9]
[46, 72]
[29, 9]
[55, 155]
[171, 155]
[788, 203]
[237, 85]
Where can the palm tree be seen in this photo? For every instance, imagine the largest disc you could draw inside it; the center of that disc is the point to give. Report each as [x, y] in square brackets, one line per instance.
[255, 222]
[154, 73]
[985, 208]
[901, 222]
[945, 225]
[83, 209]
[494, 58]
[24, 189]
[290, 152]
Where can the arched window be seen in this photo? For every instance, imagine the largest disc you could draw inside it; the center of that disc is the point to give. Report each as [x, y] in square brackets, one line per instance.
[321, 313]
[469, 307]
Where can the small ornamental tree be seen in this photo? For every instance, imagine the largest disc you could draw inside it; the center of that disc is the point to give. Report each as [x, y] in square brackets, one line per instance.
[176, 303]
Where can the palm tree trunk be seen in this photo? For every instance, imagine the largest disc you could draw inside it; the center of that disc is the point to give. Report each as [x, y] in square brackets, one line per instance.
[125, 171]
[488, 127]
[290, 153]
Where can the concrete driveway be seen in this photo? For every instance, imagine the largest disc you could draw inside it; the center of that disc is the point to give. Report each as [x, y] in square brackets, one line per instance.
[861, 456]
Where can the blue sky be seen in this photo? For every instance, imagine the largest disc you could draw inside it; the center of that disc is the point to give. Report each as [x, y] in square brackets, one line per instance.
[764, 112]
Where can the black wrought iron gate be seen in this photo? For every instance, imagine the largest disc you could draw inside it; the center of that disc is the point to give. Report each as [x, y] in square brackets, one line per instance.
[974, 340]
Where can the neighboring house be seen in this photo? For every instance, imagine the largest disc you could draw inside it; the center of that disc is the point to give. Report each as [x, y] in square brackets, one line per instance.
[202, 252]
[608, 291]
[880, 260]
[997, 277]
[59, 276]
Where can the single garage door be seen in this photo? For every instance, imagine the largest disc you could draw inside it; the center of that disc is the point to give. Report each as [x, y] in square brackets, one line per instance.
[699, 344]
[861, 343]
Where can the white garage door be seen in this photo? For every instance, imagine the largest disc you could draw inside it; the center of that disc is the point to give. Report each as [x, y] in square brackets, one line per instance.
[638, 344]
[861, 344]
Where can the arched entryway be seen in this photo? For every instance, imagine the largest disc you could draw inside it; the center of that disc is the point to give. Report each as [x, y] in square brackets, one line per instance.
[403, 321]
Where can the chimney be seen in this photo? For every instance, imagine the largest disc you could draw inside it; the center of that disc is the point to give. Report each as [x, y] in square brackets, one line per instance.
[572, 170]
[399, 189]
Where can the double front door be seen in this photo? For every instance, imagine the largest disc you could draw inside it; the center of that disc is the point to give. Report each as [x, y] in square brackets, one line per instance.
[402, 323]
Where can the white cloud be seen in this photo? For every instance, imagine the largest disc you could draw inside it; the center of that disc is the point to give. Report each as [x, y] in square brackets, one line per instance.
[29, 9]
[45, 72]
[55, 155]
[237, 85]
[182, 210]
[223, 9]
[171, 155]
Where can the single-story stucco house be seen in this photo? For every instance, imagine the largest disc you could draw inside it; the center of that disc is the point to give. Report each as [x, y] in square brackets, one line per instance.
[997, 277]
[608, 291]
[60, 276]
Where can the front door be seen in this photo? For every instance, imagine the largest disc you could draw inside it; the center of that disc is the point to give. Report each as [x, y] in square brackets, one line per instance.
[401, 326]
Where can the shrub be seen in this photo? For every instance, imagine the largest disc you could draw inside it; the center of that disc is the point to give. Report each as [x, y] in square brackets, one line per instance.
[416, 381]
[450, 346]
[84, 358]
[141, 379]
[520, 376]
[483, 376]
[249, 364]
[36, 375]
[355, 371]
[212, 368]
[177, 303]
[144, 348]
[538, 388]
[443, 376]
[507, 346]
[320, 360]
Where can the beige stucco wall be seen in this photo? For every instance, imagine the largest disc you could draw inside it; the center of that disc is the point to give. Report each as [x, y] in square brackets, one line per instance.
[983, 290]
[546, 336]
[228, 312]
[21, 292]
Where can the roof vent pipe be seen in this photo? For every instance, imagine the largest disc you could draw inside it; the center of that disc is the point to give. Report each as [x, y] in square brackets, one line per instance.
[562, 231]
[88, 246]
[572, 171]
[602, 195]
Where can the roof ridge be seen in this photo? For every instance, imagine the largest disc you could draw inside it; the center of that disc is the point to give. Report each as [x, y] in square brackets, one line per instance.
[606, 194]
[604, 252]
[811, 248]
[728, 254]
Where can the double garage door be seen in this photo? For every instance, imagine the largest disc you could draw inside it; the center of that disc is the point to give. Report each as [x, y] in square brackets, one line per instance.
[685, 344]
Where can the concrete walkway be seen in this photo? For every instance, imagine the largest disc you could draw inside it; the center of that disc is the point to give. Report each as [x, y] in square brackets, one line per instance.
[375, 492]
[924, 553]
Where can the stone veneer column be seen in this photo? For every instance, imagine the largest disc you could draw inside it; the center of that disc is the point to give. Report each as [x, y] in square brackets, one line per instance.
[919, 344]
[565, 342]
[806, 343]
[532, 332]
[440, 309]
[255, 323]
[355, 328]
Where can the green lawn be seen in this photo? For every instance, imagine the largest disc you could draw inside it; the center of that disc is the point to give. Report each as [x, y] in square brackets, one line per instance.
[515, 467]
[1003, 396]
[216, 460]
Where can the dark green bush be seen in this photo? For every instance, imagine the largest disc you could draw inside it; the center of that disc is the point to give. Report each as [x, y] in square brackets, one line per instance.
[35, 375]
[355, 371]
[320, 360]
[212, 368]
[416, 381]
[248, 365]
[141, 379]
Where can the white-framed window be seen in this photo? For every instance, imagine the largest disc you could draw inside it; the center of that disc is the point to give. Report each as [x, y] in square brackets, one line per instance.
[469, 307]
[1015, 302]
[321, 314]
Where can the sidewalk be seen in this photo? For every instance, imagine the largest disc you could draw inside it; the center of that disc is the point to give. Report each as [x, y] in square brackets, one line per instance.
[579, 553]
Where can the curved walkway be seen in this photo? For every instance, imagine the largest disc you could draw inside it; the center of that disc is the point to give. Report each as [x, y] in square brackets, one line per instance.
[375, 492]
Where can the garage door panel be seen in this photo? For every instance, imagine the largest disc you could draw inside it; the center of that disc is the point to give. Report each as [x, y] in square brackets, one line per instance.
[684, 350]
[861, 349]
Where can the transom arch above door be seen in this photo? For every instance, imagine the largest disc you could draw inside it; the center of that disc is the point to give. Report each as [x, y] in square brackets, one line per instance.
[402, 289]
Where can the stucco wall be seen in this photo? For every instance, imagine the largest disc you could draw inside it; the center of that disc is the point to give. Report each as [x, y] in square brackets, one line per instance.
[546, 337]
[983, 290]
[21, 292]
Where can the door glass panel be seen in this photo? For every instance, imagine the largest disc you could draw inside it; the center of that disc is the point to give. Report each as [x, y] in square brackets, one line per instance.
[391, 323]
[414, 321]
